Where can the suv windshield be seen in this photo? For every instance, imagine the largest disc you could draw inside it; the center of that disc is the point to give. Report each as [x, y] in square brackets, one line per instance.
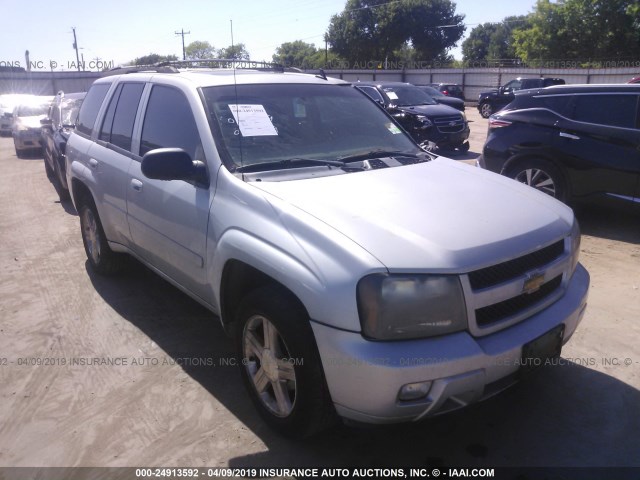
[269, 123]
[70, 109]
[32, 110]
[408, 95]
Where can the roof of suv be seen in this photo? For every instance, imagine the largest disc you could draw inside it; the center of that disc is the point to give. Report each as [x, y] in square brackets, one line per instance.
[571, 89]
[202, 77]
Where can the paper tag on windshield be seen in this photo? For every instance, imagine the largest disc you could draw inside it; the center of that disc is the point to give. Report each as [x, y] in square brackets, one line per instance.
[392, 95]
[252, 120]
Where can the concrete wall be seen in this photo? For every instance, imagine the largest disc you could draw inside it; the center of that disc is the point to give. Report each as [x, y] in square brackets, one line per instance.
[474, 80]
[46, 83]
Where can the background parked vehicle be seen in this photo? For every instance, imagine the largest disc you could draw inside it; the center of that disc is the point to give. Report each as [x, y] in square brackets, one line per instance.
[494, 100]
[441, 98]
[7, 103]
[635, 80]
[420, 115]
[56, 129]
[570, 141]
[450, 89]
[26, 127]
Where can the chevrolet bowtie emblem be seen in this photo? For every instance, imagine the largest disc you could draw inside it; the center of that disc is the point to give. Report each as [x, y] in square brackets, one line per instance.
[533, 283]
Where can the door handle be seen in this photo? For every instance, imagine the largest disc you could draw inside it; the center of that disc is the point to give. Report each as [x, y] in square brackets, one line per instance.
[93, 163]
[136, 184]
[569, 136]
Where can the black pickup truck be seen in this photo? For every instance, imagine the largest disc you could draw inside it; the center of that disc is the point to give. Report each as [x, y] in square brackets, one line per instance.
[496, 99]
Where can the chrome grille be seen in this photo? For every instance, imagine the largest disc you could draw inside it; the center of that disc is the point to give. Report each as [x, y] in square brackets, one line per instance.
[507, 293]
[449, 124]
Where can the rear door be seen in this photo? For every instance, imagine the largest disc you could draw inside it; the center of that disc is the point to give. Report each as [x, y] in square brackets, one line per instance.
[600, 143]
[110, 156]
[168, 219]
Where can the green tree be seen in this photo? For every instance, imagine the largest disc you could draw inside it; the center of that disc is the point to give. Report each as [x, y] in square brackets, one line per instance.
[371, 31]
[234, 52]
[580, 30]
[493, 41]
[153, 58]
[296, 54]
[199, 50]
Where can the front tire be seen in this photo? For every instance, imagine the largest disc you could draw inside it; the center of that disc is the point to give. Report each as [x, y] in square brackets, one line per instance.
[541, 175]
[281, 366]
[102, 259]
[486, 109]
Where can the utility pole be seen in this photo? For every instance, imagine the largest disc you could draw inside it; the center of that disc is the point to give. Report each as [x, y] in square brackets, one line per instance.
[75, 46]
[183, 33]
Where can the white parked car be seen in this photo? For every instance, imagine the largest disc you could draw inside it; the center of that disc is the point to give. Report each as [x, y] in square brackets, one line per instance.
[360, 276]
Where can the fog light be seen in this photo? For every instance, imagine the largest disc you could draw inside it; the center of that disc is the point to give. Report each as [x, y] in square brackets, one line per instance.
[414, 391]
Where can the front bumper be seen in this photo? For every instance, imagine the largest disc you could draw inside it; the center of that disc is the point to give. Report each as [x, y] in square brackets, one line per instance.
[442, 139]
[26, 139]
[365, 377]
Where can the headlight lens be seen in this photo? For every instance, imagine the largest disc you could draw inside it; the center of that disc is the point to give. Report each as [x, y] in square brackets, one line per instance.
[575, 245]
[395, 307]
[424, 120]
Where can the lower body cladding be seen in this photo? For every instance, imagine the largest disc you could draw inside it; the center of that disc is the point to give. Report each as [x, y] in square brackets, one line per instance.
[388, 382]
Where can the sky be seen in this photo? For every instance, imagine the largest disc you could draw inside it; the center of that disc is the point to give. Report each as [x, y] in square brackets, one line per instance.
[117, 31]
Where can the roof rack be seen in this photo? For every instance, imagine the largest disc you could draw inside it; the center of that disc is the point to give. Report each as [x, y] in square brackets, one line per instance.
[158, 68]
[224, 63]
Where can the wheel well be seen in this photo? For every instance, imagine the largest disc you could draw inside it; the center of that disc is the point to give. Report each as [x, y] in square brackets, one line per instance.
[238, 279]
[81, 193]
[516, 160]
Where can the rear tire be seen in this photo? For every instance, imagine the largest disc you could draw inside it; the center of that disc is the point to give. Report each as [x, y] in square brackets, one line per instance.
[281, 366]
[541, 175]
[102, 259]
[486, 110]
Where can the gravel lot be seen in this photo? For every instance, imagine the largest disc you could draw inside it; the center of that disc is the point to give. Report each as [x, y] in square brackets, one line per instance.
[60, 405]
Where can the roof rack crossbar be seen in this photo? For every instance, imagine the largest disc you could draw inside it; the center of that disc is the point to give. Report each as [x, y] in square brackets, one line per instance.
[223, 63]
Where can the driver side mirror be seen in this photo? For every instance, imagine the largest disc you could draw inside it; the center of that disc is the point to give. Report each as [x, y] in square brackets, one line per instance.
[173, 164]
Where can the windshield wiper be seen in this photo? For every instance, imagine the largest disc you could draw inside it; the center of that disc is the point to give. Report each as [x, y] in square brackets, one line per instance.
[377, 154]
[287, 163]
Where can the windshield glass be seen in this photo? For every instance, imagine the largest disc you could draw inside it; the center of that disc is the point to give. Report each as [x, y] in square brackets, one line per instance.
[32, 110]
[408, 95]
[270, 123]
[432, 92]
[70, 111]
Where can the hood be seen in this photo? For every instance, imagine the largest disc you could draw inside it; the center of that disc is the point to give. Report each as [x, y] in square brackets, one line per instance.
[438, 216]
[430, 110]
[31, 122]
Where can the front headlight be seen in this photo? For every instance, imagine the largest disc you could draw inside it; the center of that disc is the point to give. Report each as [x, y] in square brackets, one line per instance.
[395, 307]
[424, 120]
[575, 245]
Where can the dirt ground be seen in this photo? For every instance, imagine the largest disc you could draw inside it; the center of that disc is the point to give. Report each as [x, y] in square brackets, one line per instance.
[60, 405]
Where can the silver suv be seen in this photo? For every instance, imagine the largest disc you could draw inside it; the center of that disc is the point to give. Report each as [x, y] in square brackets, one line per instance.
[359, 276]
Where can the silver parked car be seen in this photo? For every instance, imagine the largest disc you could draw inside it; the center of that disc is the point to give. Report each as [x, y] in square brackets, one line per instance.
[358, 274]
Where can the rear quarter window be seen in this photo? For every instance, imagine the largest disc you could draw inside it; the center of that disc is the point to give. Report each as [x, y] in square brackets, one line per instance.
[606, 109]
[91, 107]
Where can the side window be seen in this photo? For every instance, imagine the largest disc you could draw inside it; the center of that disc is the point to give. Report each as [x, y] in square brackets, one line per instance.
[117, 127]
[90, 107]
[372, 93]
[513, 85]
[612, 110]
[559, 104]
[169, 123]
